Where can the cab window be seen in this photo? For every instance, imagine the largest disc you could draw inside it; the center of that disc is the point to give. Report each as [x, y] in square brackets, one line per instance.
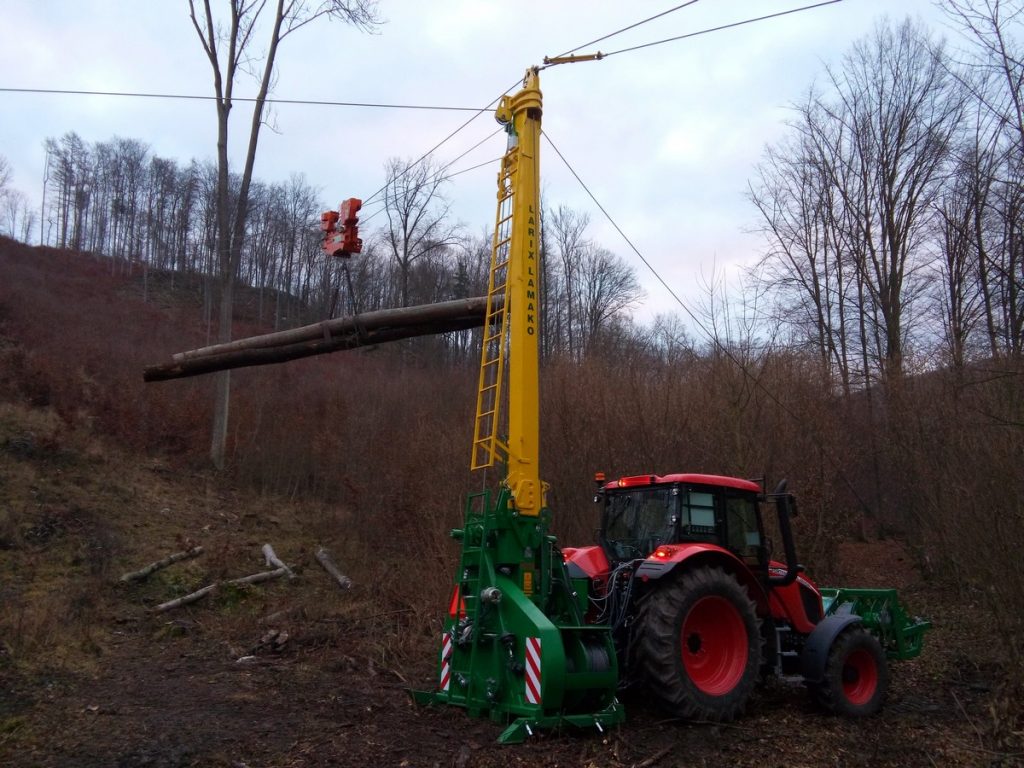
[744, 536]
[698, 514]
[639, 521]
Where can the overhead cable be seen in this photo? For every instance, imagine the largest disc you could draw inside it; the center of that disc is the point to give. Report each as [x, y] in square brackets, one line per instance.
[722, 27]
[442, 142]
[626, 29]
[443, 178]
[192, 97]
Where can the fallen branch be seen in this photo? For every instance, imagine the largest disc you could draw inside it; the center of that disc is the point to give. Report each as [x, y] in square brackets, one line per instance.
[272, 559]
[159, 565]
[325, 560]
[255, 578]
[186, 599]
[657, 756]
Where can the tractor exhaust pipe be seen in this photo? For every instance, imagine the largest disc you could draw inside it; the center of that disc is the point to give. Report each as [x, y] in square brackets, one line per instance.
[782, 506]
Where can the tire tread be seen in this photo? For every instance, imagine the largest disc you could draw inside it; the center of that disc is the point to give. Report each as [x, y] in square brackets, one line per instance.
[659, 656]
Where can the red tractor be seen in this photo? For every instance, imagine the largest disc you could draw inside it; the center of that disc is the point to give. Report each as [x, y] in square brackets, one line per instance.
[699, 610]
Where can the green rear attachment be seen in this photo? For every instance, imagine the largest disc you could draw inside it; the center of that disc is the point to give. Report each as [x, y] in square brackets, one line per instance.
[901, 635]
[514, 646]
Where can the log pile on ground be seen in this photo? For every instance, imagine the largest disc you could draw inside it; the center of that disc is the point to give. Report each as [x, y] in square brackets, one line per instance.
[270, 557]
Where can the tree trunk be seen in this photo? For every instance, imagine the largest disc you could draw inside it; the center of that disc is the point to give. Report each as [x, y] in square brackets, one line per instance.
[330, 336]
[222, 384]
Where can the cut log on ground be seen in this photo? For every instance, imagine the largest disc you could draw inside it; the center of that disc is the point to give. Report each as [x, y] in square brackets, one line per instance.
[159, 565]
[325, 560]
[272, 559]
[186, 599]
[330, 336]
[255, 578]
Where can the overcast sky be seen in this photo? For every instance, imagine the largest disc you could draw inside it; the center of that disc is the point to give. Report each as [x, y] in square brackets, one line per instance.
[667, 137]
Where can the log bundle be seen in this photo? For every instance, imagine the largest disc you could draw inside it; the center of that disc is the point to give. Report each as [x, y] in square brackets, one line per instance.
[341, 333]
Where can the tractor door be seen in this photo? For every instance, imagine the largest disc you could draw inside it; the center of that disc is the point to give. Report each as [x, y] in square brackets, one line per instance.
[726, 517]
[744, 533]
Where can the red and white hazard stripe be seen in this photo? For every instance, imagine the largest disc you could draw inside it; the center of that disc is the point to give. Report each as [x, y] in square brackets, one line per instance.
[446, 661]
[533, 670]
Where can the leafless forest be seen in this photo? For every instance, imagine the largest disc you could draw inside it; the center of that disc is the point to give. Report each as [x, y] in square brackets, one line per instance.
[872, 356]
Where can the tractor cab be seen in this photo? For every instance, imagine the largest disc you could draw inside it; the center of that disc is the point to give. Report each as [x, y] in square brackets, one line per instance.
[645, 512]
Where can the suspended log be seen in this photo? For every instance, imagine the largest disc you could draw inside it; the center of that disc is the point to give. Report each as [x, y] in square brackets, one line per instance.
[323, 331]
[329, 336]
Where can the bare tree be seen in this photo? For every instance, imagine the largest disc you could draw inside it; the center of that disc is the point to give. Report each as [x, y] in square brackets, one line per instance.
[798, 205]
[9, 200]
[956, 298]
[227, 44]
[996, 81]
[16, 219]
[69, 160]
[417, 217]
[996, 54]
[569, 243]
[131, 161]
[5, 175]
[859, 185]
[607, 289]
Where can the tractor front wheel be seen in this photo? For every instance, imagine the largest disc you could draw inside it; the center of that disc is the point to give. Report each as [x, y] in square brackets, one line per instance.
[699, 645]
[856, 677]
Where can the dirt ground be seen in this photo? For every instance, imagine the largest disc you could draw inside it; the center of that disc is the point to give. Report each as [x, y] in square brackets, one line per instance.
[90, 675]
[181, 702]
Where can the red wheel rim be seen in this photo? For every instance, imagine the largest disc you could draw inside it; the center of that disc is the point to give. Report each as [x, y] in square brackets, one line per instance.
[860, 677]
[714, 645]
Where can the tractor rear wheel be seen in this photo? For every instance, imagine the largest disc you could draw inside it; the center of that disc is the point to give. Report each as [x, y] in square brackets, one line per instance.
[856, 677]
[699, 645]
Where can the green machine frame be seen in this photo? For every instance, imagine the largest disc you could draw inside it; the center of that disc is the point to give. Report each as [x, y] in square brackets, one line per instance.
[882, 614]
[514, 645]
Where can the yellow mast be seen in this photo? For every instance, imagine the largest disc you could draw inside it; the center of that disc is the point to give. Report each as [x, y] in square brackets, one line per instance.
[514, 644]
[513, 308]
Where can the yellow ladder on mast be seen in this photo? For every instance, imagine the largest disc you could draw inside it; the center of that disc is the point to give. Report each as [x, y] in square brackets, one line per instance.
[488, 448]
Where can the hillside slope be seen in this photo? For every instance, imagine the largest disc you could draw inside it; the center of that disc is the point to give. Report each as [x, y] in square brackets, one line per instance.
[99, 476]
